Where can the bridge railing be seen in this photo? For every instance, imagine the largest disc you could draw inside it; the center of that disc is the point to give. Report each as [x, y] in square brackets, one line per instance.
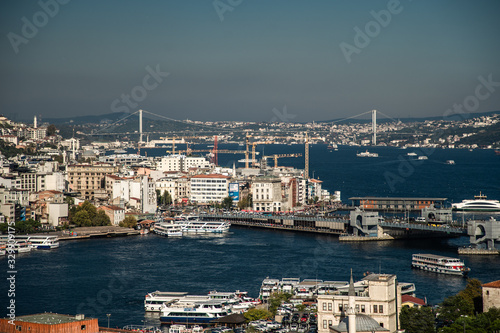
[276, 217]
[418, 226]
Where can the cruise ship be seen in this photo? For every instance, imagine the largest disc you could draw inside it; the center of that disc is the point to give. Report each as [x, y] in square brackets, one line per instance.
[439, 264]
[479, 203]
[41, 242]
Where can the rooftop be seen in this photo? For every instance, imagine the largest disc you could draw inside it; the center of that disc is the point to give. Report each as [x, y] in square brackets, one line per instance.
[49, 318]
[494, 284]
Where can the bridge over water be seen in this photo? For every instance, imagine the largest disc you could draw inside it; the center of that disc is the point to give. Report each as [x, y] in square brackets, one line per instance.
[359, 223]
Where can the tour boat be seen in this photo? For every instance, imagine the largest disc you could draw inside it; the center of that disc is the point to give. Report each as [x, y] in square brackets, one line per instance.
[41, 242]
[178, 312]
[439, 264]
[199, 226]
[168, 229]
[155, 299]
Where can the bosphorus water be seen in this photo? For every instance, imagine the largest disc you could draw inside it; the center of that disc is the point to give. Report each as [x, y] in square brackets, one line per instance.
[112, 276]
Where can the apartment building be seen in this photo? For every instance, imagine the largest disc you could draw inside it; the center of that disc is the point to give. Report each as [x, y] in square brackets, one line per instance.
[89, 179]
[116, 214]
[209, 188]
[182, 163]
[266, 194]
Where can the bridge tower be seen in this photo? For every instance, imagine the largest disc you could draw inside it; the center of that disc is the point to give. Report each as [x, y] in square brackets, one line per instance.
[140, 127]
[306, 158]
[484, 231]
[374, 127]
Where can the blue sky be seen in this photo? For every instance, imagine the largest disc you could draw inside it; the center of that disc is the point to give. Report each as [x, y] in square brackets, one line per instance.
[243, 59]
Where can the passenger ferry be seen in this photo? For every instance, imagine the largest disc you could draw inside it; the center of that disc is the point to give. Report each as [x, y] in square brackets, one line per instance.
[41, 242]
[178, 312]
[198, 226]
[479, 203]
[168, 229]
[439, 264]
[366, 154]
[155, 299]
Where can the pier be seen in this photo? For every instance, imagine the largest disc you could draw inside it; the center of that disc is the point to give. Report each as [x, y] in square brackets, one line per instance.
[96, 232]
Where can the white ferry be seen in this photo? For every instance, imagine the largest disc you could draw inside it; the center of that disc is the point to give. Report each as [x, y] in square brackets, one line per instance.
[198, 226]
[366, 154]
[41, 242]
[178, 312]
[155, 299]
[168, 229]
[439, 264]
[479, 203]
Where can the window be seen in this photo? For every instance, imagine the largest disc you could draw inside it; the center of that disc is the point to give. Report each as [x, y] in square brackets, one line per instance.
[324, 306]
[375, 308]
[381, 309]
[340, 307]
[357, 307]
[19, 328]
[381, 324]
[362, 308]
[84, 327]
[324, 324]
[329, 306]
[330, 323]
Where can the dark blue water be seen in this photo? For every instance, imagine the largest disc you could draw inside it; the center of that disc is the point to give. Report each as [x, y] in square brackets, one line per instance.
[112, 276]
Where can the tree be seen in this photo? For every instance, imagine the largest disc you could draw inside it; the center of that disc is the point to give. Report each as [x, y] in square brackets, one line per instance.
[227, 203]
[101, 219]
[256, 314]
[82, 219]
[473, 293]
[129, 222]
[245, 202]
[276, 299]
[51, 129]
[417, 320]
[454, 307]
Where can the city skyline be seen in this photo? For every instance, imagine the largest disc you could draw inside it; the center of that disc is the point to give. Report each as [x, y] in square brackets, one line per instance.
[249, 60]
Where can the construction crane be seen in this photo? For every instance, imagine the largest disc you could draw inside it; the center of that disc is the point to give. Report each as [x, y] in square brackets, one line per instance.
[276, 156]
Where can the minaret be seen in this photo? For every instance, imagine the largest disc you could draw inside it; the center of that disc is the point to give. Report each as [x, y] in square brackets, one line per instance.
[35, 123]
[351, 308]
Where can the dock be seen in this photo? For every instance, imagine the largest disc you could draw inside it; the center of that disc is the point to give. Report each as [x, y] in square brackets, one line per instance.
[96, 232]
[476, 251]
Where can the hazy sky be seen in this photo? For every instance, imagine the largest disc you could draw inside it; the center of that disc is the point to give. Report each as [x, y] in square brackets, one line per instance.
[240, 59]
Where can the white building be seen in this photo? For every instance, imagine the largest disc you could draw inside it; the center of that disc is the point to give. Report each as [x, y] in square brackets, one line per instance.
[56, 213]
[209, 188]
[140, 190]
[182, 163]
[266, 194]
[377, 296]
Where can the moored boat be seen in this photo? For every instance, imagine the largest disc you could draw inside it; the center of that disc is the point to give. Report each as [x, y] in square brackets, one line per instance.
[439, 264]
[168, 229]
[179, 312]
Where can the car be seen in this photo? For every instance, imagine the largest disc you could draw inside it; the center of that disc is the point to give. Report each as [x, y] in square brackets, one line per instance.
[304, 318]
[295, 318]
[302, 328]
[273, 325]
[294, 327]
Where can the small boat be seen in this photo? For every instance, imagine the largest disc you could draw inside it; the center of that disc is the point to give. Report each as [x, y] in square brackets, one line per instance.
[332, 146]
[411, 154]
[423, 157]
[439, 264]
[366, 154]
[451, 162]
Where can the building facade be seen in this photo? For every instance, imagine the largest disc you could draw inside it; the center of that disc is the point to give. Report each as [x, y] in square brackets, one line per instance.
[89, 179]
[491, 295]
[209, 188]
[377, 296]
[266, 194]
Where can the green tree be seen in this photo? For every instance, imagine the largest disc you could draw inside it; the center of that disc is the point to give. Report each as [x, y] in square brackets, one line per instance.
[276, 299]
[417, 320]
[245, 202]
[227, 203]
[82, 219]
[128, 222]
[256, 314]
[473, 294]
[454, 307]
[101, 218]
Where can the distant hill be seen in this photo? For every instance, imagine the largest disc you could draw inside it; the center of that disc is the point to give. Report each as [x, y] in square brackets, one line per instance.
[382, 119]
